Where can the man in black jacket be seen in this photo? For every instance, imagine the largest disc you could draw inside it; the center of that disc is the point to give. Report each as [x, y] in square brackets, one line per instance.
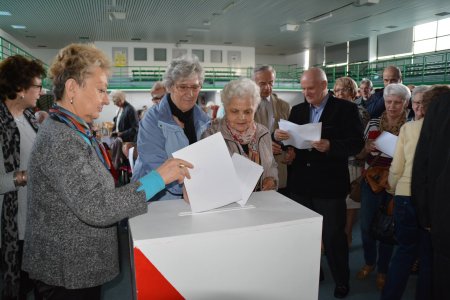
[126, 122]
[430, 188]
[318, 177]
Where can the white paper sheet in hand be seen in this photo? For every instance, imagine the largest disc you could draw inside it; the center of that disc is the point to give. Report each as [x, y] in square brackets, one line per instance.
[386, 143]
[301, 136]
[248, 174]
[213, 180]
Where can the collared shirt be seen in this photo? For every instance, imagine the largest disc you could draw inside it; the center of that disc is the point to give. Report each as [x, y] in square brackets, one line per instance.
[316, 112]
[267, 102]
[119, 114]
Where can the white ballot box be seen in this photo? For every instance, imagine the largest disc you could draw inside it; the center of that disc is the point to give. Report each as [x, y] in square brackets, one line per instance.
[269, 249]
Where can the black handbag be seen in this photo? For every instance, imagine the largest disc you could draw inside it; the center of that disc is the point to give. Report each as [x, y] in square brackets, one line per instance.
[383, 226]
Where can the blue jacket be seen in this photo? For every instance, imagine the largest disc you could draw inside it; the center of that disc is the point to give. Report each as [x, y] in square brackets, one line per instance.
[158, 137]
[375, 104]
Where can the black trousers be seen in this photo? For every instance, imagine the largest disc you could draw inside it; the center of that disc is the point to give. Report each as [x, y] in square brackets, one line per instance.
[333, 233]
[51, 292]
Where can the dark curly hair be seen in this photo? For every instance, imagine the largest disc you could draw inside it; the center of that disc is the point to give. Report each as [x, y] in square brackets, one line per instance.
[16, 74]
[433, 93]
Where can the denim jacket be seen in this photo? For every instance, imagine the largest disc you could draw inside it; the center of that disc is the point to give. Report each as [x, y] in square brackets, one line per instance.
[158, 137]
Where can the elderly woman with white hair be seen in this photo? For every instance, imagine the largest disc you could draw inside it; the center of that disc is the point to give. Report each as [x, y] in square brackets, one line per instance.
[242, 134]
[396, 97]
[176, 122]
[417, 96]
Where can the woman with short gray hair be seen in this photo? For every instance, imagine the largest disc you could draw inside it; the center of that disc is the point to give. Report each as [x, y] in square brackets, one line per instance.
[181, 68]
[377, 254]
[417, 96]
[397, 89]
[176, 122]
[242, 134]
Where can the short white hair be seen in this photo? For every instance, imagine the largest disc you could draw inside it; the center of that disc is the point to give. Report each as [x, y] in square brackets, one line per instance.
[241, 88]
[397, 89]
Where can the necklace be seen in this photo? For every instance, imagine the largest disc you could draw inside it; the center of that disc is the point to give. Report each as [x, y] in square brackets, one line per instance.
[20, 119]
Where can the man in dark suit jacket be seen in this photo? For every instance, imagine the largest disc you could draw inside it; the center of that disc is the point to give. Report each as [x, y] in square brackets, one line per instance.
[126, 123]
[318, 177]
[375, 104]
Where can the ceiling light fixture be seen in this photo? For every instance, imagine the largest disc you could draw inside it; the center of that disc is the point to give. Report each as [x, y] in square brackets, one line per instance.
[199, 29]
[289, 27]
[18, 26]
[5, 13]
[117, 15]
[320, 17]
[365, 2]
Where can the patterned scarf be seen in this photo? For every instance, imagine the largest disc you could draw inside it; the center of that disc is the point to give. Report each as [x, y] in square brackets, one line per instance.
[247, 138]
[10, 143]
[62, 115]
[394, 129]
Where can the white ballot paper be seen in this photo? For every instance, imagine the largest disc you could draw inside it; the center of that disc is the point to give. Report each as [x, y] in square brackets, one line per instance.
[248, 173]
[386, 143]
[213, 182]
[301, 136]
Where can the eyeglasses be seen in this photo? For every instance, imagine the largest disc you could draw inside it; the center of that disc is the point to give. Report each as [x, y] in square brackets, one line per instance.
[184, 88]
[157, 98]
[417, 103]
[38, 86]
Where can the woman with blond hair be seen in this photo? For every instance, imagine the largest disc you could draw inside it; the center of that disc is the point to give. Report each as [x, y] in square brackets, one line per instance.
[71, 246]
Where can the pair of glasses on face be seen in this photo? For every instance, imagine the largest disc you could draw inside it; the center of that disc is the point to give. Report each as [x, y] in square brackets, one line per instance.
[38, 86]
[184, 88]
[417, 103]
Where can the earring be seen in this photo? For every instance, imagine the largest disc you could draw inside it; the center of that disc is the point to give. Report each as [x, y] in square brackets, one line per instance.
[71, 101]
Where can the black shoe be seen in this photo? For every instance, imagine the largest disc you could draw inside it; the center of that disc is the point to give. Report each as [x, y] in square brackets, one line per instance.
[321, 277]
[341, 291]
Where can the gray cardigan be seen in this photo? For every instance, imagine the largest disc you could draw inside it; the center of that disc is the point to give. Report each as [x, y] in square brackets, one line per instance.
[73, 207]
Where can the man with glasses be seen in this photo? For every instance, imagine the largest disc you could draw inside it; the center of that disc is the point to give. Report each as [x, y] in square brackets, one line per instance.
[158, 91]
[269, 112]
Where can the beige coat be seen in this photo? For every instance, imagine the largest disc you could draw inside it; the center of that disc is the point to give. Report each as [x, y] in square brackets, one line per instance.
[281, 110]
[401, 166]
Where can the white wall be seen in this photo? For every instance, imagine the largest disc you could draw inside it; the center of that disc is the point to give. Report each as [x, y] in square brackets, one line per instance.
[11, 39]
[247, 53]
[316, 56]
[46, 55]
[296, 59]
[261, 59]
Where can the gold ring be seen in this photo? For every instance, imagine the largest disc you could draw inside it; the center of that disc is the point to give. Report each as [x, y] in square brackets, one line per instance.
[181, 166]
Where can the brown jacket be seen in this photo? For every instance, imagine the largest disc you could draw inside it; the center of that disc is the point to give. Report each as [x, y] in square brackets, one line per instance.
[281, 110]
